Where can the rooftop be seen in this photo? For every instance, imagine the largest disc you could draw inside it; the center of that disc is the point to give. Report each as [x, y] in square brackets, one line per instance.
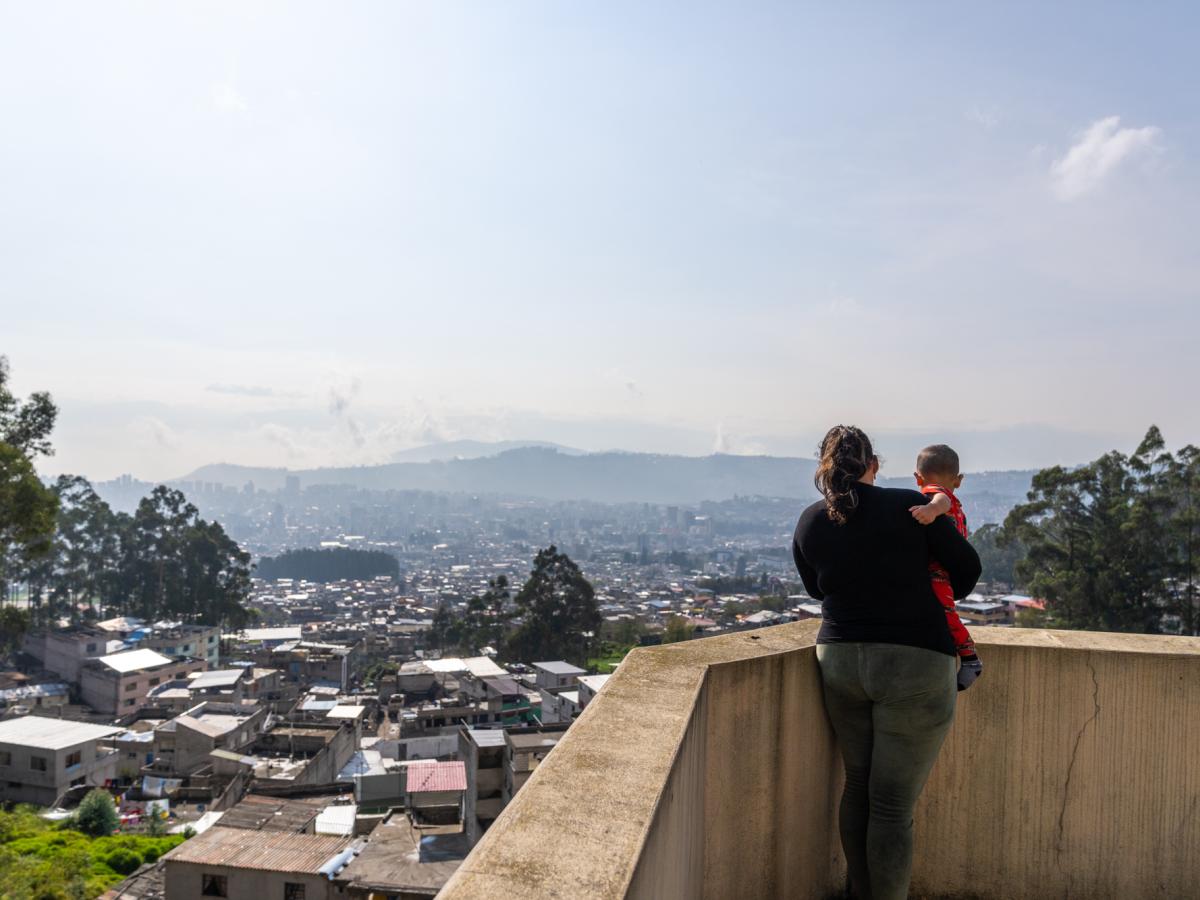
[436, 776]
[134, 660]
[399, 856]
[559, 667]
[52, 734]
[216, 678]
[269, 851]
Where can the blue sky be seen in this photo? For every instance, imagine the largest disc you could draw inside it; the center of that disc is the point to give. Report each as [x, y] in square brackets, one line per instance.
[311, 234]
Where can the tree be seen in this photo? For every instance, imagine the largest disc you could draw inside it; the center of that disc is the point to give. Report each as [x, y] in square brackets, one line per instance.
[13, 625]
[25, 425]
[1097, 546]
[27, 510]
[486, 619]
[97, 814]
[557, 610]
[678, 629]
[998, 556]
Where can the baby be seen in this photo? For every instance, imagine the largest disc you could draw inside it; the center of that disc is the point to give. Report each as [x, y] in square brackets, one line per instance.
[938, 477]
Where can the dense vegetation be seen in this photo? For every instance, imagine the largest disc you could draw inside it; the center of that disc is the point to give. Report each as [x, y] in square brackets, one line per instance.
[553, 616]
[41, 860]
[76, 557]
[330, 564]
[1115, 545]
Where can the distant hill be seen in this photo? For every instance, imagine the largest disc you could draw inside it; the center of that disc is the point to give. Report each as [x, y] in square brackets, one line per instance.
[611, 477]
[448, 450]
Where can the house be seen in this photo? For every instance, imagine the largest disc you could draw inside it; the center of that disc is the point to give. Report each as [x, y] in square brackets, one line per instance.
[557, 675]
[435, 791]
[41, 757]
[185, 744]
[120, 682]
[35, 696]
[526, 748]
[589, 687]
[275, 865]
[64, 651]
[482, 751]
[403, 861]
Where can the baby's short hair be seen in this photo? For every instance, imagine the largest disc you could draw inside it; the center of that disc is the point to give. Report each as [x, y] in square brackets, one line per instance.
[937, 459]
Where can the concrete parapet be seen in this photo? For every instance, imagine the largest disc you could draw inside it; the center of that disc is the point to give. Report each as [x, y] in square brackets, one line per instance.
[707, 769]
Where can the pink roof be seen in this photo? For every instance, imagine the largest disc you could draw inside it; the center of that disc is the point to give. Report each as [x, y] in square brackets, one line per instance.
[437, 776]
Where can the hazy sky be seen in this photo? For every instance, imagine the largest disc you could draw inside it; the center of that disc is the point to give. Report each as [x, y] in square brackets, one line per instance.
[303, 234]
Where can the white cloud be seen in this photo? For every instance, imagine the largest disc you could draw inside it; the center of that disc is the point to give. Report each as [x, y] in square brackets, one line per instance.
[1100, 150]
[228, 99]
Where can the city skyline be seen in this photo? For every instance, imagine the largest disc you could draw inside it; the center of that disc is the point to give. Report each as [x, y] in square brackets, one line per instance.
[280, 235]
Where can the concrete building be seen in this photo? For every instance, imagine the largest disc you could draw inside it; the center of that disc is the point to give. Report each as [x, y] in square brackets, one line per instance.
[41, 757]
[64, 651]
[556, 675]
[185, 744]
[525, 750]
[482, 751]
[196, 641]
[589, 687]
[275, 865]
[121, 682]
[35, 696]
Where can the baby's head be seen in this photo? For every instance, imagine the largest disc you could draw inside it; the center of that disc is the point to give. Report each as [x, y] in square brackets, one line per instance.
[938, 464]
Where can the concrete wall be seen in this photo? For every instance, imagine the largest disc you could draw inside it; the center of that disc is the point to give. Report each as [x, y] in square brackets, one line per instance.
[184, 880]
[708, 769]
[1072, 770]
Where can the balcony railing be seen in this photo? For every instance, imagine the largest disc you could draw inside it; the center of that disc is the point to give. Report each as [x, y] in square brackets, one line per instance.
[708, 769]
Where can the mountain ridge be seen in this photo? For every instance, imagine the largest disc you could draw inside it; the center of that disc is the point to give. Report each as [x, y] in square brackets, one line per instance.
[610, 477]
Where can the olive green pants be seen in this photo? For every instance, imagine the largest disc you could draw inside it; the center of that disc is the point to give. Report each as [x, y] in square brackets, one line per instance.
[891, 707]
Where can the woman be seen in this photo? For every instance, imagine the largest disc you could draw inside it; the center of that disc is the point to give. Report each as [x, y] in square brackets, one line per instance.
[886, 656]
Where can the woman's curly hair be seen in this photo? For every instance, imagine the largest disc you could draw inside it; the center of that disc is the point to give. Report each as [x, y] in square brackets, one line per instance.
[845, 456]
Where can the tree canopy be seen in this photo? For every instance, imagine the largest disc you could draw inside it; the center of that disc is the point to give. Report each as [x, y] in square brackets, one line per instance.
[1114, 545]
[329, 564]
[558, 615]
[27, 507]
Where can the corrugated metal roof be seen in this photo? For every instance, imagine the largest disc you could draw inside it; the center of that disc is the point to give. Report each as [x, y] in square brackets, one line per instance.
[52, 734]
[437, 776]
[269, 851]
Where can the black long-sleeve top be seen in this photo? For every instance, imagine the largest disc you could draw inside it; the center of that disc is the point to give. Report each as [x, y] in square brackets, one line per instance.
[872, 573]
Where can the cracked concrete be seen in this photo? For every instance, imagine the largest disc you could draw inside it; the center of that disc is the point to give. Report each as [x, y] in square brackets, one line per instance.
[1062, 813]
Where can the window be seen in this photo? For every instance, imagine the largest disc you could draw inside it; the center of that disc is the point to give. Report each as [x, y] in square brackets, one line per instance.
[38, 763]
[74, 759]
[293, 891]
[91, 648]
[212, 639]
[214, 886]
[153, 682]
[132, 686]
[181, 674]
[131, 702]
[5, 758]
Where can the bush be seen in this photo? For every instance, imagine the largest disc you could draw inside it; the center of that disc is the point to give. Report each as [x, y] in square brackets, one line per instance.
[97, 814]
[122, 861]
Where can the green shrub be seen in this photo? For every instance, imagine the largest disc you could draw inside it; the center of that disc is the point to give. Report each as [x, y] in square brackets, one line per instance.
[123, 861]
[97, 814]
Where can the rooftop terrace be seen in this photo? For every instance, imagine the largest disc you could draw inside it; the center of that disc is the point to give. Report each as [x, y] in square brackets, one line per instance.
[708, 769]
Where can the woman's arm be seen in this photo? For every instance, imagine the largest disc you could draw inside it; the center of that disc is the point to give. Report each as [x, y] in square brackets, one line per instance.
[807, 573]
[956, 555]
